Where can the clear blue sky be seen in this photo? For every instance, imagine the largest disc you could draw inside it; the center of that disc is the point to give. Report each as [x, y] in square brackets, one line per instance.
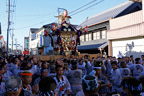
[36, 13]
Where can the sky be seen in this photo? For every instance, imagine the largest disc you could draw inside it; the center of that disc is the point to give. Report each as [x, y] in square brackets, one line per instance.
[36, 13]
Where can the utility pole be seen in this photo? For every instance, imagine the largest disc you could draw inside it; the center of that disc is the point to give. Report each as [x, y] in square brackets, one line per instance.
[12, 40]
[8, 26]
[16, 45]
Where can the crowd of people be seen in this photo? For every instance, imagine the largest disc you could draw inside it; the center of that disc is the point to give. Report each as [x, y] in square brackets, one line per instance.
[101, 76]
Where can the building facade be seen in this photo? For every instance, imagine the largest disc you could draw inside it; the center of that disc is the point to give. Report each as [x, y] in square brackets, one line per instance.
[126, 35]
[26, 43]
[32, 44]
[96, 39]
[39, 43]
[2, 46]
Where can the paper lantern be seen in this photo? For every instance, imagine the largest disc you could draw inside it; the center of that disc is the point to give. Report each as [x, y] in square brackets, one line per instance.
[69, 29]
[86, 29]
[65, 29]
[53, 27]
[45, 33]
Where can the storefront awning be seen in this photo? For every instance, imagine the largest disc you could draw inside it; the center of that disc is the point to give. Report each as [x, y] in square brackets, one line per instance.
[93, 46]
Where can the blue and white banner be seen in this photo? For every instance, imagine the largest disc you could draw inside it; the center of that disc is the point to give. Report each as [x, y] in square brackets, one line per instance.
[41, 40]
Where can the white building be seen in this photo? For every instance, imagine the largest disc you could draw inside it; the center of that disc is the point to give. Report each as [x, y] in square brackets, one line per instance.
[126, 35]
[38, 43]
[2, 45]
[32, 37]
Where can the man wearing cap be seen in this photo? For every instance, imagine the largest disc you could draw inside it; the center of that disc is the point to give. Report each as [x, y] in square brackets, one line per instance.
[13, 86]
[26, 77]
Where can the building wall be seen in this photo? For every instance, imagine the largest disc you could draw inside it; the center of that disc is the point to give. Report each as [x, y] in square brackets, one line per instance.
[91, 37]
[110, 48]
[2, 44]
[35, 43]
[126, 20]
[33, 36]
[127, 47]
[30, 39]
[96, 35]
[126, 26]
[26, 43]
[126, 35]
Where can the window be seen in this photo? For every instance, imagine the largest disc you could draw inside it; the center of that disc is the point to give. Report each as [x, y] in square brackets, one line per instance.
[86, 37]
[94, 36]
[89, 36]
[98, 35]
[82, 38]
[103, 34]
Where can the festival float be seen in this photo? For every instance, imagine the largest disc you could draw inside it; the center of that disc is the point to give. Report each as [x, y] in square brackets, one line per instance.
[64, 36]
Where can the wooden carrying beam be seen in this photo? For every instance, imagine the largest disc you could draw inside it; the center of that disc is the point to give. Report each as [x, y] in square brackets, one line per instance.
[55, 57]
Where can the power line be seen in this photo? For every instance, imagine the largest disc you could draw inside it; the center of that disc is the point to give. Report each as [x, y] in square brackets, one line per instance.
[34, 15]
[32, 25]
[31, 19]
[70, 13]
[82, 6]
[87, 7]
